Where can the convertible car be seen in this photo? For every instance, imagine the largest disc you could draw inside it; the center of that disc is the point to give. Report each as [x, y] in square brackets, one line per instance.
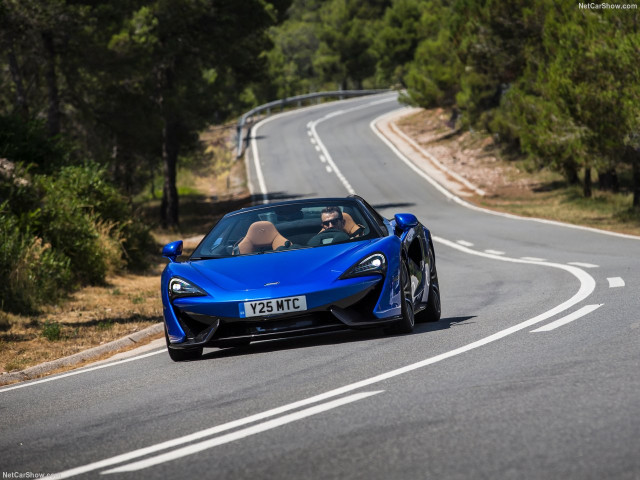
[296, 268]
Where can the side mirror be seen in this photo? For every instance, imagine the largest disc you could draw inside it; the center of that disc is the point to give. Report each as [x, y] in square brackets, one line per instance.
[172, 250]
[405, 221]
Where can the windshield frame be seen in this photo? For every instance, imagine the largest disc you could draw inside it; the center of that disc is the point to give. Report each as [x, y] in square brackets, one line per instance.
[264, 211]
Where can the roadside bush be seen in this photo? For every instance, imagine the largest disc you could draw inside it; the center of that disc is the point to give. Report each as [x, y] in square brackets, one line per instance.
[61, 231]
[32, 272]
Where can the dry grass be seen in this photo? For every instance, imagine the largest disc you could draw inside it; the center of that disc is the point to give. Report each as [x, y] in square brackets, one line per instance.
[90, 317]
[509, 186]
[129, 302]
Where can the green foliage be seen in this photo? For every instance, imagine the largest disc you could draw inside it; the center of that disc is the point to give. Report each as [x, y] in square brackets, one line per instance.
[27, 142]
[33, 273]
[51, 331]
[63, 230]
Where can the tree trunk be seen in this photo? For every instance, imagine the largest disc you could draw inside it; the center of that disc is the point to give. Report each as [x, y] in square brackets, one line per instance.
[53, 115]
[170, 148]
[21, 98]
[608, 180]
[587, 182]
[571, 173]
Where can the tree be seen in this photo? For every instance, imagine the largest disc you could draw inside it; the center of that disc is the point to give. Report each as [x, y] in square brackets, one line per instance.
[190, 54]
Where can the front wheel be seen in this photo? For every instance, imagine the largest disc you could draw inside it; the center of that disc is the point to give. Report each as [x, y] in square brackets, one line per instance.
[433, 310]
[182, 355]
[407, 322]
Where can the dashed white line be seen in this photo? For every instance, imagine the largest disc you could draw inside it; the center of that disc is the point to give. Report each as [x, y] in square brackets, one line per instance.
[464, 243]
[583, 265]
[494, 252]
[534, 259]
[569, 318]
[587, 286]
[323, 158]
[328, 169]
[615, 282]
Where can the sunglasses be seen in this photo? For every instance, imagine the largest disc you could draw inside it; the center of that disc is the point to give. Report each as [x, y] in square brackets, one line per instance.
[333, 221]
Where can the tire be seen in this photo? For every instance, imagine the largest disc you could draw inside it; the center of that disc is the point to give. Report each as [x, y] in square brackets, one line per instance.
[433, 310]
[182, 355]
[407, 322]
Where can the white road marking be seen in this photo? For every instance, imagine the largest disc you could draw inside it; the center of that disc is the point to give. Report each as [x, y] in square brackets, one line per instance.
[534, 259]
[323, 159]
[240, 434]
[254, 145]
[615, 282]
[587, 286]
[78, 372]
[317, 148]
[313, 140]
[464, 243]
[322, 147]
[470, 206]
[328, 169]
[494, 252]
[583, 265]
[569, 318]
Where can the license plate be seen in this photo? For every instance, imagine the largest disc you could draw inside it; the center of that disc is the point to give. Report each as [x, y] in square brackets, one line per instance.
[273, 307]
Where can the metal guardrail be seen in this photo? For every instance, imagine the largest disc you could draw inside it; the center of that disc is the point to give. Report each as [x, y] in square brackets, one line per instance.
[299, 99]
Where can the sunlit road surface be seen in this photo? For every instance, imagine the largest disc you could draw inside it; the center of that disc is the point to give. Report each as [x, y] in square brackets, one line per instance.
[533, 371]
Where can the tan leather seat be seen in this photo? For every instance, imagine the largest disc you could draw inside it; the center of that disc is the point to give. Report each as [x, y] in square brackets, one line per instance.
[260, 235]
[350, 227]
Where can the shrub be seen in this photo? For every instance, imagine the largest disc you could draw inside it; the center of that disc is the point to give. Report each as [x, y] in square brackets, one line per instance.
[63, 230]
[51, 331]
[32, 272]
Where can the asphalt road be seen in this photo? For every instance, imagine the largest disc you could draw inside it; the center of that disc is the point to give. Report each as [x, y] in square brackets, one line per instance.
[533, 371]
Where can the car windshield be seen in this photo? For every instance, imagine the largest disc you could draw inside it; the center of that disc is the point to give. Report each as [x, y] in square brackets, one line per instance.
[286, 227]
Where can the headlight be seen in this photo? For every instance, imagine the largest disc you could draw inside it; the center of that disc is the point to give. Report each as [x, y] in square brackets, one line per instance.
[178, 287]
[371, 265]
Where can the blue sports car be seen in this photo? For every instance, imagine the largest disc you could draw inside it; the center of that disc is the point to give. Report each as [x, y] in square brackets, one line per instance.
[295, 268]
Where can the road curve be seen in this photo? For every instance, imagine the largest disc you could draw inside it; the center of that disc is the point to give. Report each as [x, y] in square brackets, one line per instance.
[531, 373]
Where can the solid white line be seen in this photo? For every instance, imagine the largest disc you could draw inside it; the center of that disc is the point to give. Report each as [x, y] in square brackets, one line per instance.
[587, 285]
[495, 252]
[534, 259]
[615, 282]
[240, 434]
[470, 206]
[464, 243]
[256, 159]
[569, 318]
[437, 162]
[78, 372]
[254, 134]
[583, 265]
[321, 147]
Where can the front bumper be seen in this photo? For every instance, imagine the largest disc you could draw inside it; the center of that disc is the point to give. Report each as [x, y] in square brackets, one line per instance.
[201, 321]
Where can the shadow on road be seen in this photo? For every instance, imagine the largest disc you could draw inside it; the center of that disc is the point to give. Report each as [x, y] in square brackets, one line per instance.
[330, 338]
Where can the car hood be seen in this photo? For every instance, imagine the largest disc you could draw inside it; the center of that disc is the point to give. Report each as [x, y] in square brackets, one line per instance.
[283, 269]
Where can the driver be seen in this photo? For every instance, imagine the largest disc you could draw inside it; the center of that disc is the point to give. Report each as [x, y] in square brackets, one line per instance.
[331, 217]
[332, 228]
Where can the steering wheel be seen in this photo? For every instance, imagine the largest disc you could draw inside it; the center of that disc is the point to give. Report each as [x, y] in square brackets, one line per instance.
[328, 236]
